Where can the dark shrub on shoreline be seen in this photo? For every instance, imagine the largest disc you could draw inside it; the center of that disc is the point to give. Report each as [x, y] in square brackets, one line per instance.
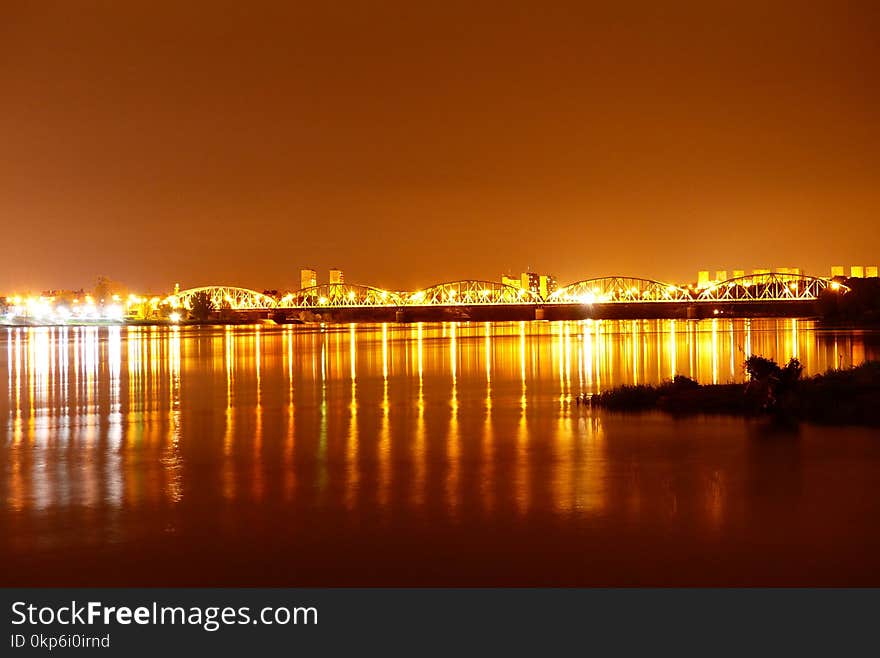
[839, 397]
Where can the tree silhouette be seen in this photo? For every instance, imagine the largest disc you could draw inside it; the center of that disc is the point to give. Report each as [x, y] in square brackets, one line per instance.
[768, 383]
[202, 306]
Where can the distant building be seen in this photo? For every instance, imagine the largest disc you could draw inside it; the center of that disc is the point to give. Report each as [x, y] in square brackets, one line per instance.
[738, 273]
[837, 270]
[721, 275]
[308, 278]
[548, 285]
[336, 276]
[871, 272]
[857, 272]
[530, 281]
[703, 279]
[540, 284]
[510, 281]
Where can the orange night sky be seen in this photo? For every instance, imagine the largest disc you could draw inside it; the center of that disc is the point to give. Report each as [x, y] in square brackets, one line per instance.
[415, 142]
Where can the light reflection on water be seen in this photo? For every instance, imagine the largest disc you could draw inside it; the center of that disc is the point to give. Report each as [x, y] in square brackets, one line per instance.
[122, 434]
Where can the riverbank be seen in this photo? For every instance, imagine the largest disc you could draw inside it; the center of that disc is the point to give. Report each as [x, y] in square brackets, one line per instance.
[837, 397]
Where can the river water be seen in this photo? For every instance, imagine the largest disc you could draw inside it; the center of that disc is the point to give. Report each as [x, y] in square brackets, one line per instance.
[420, 454]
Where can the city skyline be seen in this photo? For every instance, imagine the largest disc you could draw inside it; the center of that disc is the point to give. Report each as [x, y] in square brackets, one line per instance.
[160, 143]
[537, 281]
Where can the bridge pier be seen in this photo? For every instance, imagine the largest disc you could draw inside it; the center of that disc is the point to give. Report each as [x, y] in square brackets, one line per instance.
[539, 312]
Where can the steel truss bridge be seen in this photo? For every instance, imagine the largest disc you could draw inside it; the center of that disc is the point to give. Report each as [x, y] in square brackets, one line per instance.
[770, 287]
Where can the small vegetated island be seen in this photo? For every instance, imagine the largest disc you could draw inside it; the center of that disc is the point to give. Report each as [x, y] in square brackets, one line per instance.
[837, 397]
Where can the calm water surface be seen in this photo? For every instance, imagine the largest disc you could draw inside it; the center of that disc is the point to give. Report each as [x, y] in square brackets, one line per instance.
[431, 454]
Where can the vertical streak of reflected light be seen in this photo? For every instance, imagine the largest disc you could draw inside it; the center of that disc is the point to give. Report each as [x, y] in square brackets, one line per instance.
[522, 361]
[40, 350]
[65, 370]
[567, 362]
[731, 332]
[660, 352]
[487, 458]
[522, 437]
[172, 459]
[453, 443]
[155, 365]
[588, 356]
[672, 349]
[29, 376]
[229, 434]
[385, 351]
[420, 455]
[10, 362]
[352, 352]
[714, 350]
[321, 455]
[691, 347]
[580, 363]
[564, 464]
[289, 466]
[559, 356]
[352, 480]
[113, 483]
[385, 449]
[258, 482]
[488, 350]
[634, 342]
[16, 489]
[132, 347]
[747, 347]
[76, 373]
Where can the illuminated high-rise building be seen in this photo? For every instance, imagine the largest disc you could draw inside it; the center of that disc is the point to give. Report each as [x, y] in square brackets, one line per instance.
[336, 276]
[857, 272]
[541, 284]
[547, 285]
[871, 272]
[530, 281]
[703, 279]
[308, 278]
[837, 270]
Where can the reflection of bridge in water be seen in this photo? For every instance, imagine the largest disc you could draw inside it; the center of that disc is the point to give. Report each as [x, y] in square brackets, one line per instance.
[757, 294]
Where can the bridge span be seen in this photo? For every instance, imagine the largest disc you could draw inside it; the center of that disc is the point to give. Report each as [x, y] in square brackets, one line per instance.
[616, 296]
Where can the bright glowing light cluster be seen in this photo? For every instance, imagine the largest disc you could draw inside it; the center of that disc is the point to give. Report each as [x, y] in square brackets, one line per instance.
[48, 310]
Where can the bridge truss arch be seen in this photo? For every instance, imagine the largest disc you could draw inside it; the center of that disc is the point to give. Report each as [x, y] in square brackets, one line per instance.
[222, 297]
[470, 292]
[619, 289]
[770, 287]
[339, 295]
